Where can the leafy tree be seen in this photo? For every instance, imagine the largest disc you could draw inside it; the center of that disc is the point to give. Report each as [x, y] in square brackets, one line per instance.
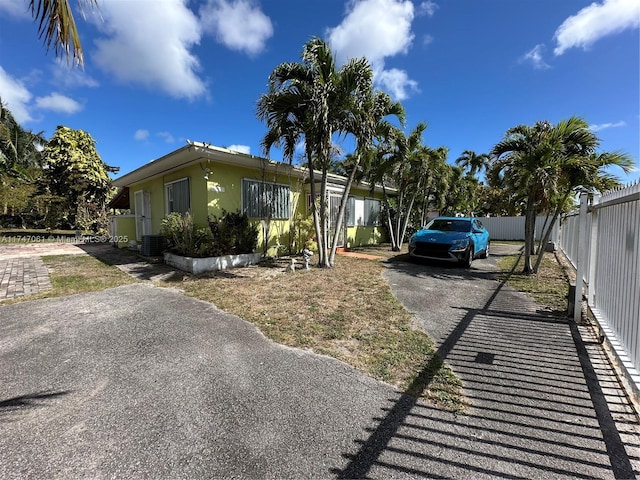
[20, 161]
[57, 26]
[412, 168]
[473, 163]
[76, 173]
[19, 148]
[314, 100]
[369, 125]
[544, 164]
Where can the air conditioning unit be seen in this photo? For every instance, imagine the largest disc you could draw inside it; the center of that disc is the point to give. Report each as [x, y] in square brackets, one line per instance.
[152, 245]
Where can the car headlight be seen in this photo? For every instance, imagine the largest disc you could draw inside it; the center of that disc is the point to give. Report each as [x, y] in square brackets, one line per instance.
[459, 244]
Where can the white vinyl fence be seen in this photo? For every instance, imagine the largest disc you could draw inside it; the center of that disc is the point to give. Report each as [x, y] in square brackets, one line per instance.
[602, 241]
[512, 228]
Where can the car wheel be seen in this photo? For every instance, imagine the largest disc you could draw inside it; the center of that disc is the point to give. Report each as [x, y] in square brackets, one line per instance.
[468, 257]
[485, 254]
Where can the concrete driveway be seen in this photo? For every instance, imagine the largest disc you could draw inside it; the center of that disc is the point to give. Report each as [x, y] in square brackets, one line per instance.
[143, 382]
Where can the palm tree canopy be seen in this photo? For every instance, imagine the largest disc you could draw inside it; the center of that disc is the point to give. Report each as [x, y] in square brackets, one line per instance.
[472, 161]
[57, 26]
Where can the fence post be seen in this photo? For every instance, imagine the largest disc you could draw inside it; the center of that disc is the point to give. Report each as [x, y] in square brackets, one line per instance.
[593, 253]
[582, 232]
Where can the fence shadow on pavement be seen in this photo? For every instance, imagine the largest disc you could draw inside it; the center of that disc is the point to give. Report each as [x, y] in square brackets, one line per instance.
[543, 404]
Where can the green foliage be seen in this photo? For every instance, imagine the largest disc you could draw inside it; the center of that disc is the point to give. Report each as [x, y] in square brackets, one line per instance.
[232, 234]
[303, 233]
[183, 237]
[76, 173]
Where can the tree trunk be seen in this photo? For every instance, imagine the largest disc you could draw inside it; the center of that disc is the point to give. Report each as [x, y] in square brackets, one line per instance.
[547, 234]
[392, 238]
[397, 222]
[341, 211]
[529, 230]
[314, 207]
[406, 222]
[324, 224]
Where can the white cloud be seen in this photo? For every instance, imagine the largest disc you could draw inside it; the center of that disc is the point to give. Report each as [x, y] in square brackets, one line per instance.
[534, 57]
[240, 148]
[168, 138]
[151, 46]
[427, 8]
[15, 96]
[141, 134]
[377, 29]
[604, 126]
[596, 21]
[58, 103]
[238, 24]
[397, 83]
[70, 77]
[427, 40]
[15, 8]
[374, 29]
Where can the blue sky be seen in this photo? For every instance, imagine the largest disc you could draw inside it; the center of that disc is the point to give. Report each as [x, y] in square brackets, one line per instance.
[160, 72]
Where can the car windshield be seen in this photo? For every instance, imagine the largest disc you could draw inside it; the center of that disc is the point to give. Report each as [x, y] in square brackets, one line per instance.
[450, 225]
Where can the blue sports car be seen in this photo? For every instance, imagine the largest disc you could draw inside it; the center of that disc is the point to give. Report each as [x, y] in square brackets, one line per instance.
[451, 239]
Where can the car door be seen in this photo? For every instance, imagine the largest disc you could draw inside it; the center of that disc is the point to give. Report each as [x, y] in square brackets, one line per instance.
[479, 236]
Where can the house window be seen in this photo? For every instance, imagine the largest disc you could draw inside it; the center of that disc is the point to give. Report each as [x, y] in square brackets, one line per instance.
[363, 211]
[265, 200]
[177, 196]
[371, 211]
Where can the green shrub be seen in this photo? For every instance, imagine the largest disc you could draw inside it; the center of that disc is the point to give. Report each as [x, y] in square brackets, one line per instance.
[184, 238]
[304, 233]
[232, 234]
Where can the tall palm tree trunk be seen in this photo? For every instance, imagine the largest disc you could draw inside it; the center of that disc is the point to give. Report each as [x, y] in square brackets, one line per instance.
[341, 211]
[314, 207]
[529, 231]
[547, 233]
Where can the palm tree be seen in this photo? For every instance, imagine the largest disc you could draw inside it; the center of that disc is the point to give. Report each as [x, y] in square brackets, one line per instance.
[314, 100]
[472, 161]
[19, 148]
[368, 123]
[526, 159]
[57, 26]
[544, 163]
[405, 163]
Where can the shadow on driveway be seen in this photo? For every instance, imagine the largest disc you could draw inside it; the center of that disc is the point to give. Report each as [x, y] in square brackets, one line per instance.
[544, 401]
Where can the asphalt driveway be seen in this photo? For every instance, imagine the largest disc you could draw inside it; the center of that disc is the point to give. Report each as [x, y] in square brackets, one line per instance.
[143, 382]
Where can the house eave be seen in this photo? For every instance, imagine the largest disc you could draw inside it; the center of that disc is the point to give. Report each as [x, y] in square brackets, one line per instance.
[198, 152]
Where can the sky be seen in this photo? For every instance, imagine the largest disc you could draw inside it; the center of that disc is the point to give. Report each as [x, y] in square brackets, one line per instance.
[160, 73]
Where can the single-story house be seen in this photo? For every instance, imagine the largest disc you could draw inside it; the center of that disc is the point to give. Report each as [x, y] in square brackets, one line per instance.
[205, 180]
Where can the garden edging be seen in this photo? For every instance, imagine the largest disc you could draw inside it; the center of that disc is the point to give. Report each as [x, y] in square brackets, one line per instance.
[197, 266]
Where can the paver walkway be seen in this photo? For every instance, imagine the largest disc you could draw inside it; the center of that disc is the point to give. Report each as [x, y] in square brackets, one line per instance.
[22, 271]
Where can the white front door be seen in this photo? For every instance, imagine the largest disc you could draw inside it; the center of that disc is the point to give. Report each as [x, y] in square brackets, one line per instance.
[142, 205]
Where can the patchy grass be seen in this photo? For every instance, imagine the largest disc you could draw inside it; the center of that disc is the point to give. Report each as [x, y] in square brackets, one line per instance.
[71, 274]
[82, 273]
[549, 287]
[347, 312]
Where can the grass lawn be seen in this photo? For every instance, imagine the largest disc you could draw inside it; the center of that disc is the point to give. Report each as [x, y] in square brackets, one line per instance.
[549, 287]
[71, 274]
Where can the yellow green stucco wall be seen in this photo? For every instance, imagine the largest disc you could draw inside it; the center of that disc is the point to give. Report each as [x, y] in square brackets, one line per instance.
[222, 190]
[125, 230]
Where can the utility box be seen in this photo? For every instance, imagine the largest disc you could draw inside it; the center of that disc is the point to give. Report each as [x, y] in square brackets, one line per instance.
[152, 245]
